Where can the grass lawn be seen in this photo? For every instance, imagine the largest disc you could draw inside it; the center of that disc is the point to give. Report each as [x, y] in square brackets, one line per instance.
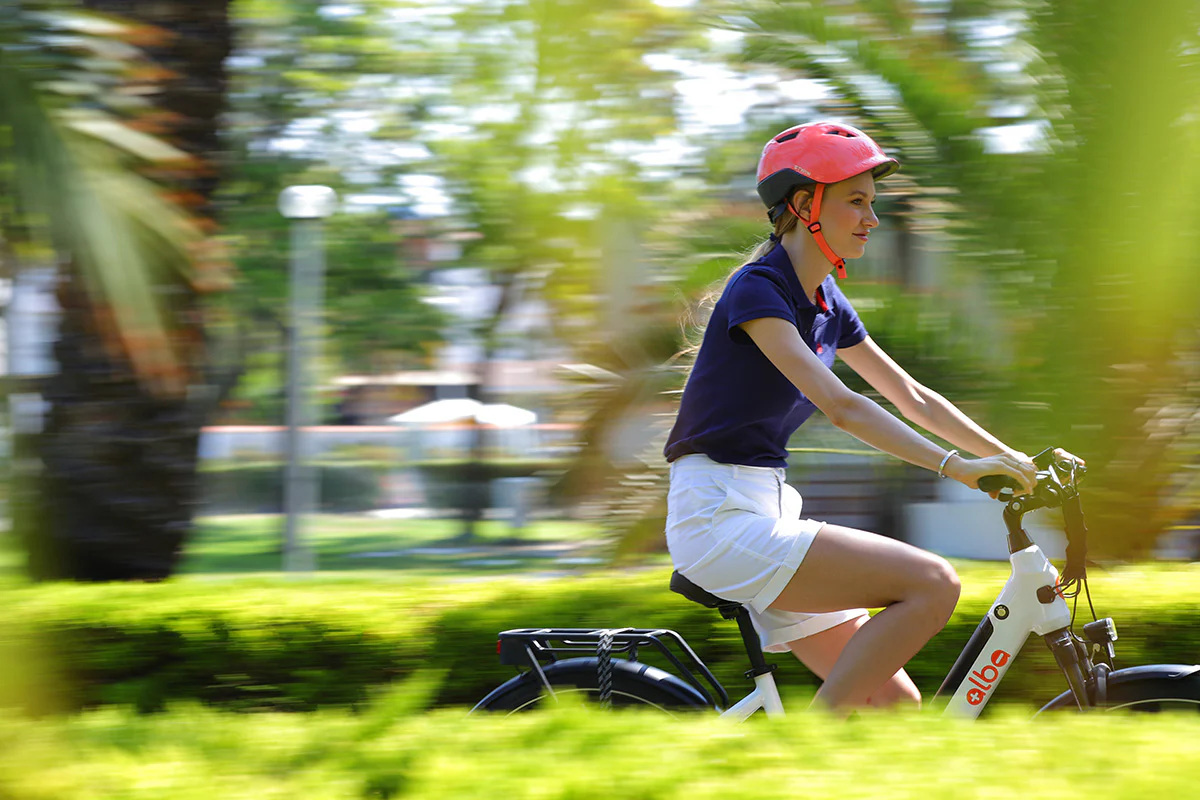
[359, 543]
[365, 547]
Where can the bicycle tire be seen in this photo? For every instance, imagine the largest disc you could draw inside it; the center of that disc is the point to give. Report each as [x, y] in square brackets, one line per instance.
[1148, 689]
[634, 684]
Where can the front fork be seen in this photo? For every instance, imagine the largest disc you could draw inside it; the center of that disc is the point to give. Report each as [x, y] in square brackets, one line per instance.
[1088, 681]
[1062, 645]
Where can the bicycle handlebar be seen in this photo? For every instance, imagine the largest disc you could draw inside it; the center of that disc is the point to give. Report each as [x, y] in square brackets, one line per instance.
[994, 483]
[1057, 485]
[1053, 476]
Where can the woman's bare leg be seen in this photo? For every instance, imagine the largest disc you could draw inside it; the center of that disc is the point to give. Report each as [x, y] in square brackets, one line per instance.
[846, 568]
[820, 652]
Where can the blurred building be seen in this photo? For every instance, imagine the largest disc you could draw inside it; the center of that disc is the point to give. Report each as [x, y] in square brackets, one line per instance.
[31, 314]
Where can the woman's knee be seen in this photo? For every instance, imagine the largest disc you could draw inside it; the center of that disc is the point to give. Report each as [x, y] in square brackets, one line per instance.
[939, 587]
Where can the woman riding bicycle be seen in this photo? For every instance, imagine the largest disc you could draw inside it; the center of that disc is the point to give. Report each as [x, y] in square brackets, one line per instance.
[764, 366]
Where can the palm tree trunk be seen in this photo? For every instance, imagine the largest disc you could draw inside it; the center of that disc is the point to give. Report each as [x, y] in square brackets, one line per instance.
[108, 488]
[116, 486]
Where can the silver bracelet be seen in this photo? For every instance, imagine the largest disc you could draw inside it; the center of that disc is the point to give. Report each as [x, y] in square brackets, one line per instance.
[942, 465]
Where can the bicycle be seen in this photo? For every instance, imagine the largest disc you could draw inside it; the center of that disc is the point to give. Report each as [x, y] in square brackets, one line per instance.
[1033, 600]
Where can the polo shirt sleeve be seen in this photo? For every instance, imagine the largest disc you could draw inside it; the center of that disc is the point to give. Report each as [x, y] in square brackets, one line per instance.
[753, 295]
[851, 331]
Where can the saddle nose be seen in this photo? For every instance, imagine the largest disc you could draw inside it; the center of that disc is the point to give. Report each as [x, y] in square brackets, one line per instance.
[681, 585]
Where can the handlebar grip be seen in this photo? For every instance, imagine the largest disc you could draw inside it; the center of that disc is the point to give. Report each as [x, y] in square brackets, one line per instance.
[994, 483]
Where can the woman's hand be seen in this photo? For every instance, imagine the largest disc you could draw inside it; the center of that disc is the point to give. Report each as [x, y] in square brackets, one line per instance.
[1016, 465]
[1063, 457]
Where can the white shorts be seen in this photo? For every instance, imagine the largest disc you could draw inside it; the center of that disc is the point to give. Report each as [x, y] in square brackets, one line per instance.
[736, 531]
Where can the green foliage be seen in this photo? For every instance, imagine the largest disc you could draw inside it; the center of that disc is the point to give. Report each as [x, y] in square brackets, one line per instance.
[585, 754]
[368, 286]
[332, 643]
[931, 342]
[72, 179]
[249, 487]
[313, 68]
[447, 481]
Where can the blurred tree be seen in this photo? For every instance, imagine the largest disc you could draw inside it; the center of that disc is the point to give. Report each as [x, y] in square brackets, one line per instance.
[552, 104]
[107, 487]
[1118, 367]
[310, 102]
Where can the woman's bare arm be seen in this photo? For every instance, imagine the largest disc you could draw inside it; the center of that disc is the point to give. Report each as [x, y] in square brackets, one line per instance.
[919, 403]
[860, 416]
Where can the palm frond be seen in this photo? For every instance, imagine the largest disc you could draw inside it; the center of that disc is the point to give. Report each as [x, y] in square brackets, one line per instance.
[77, 187]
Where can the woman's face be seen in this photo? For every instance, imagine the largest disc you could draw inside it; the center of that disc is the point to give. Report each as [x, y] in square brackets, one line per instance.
[847, 215]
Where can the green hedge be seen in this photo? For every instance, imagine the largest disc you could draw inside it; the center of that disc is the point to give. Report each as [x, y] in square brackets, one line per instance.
[303, 646]
[257, 487]
[453, 483]
[584, 754]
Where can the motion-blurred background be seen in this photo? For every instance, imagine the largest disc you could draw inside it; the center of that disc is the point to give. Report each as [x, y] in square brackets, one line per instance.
[533, 195]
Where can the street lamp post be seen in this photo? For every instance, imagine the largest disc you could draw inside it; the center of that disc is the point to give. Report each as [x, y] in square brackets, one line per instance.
[306, 207]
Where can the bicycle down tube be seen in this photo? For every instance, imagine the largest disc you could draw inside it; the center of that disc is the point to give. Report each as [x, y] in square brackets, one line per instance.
[1017, 612]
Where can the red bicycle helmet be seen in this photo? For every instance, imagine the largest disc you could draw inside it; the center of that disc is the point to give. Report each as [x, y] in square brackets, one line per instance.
[817, 153]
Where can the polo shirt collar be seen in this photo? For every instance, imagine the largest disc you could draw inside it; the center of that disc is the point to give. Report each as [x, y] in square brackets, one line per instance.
[778, 258]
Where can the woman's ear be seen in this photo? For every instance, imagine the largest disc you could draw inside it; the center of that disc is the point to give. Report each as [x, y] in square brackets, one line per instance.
[802, 201]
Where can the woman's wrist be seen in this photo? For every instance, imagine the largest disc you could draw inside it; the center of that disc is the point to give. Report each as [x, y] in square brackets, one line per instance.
[941, 470]
[953, 466]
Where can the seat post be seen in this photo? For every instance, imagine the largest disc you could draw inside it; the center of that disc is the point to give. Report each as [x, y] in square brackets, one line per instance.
[729, 610]
[758, 664]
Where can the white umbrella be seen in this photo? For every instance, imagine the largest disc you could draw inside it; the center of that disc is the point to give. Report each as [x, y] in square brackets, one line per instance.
[502, 415]
[440, 411]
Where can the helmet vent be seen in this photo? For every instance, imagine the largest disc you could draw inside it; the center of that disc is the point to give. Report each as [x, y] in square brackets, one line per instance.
[840, 132]
[787, 136]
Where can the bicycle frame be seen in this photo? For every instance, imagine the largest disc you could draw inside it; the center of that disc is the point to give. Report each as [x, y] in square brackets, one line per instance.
[765, 695]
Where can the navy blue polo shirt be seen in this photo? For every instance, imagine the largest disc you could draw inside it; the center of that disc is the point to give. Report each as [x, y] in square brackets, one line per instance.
[737, 408]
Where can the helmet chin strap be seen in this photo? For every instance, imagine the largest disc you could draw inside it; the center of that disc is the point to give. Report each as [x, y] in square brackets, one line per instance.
[814, 227]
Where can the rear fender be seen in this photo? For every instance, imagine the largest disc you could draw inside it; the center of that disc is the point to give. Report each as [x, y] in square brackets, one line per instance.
[583, 672]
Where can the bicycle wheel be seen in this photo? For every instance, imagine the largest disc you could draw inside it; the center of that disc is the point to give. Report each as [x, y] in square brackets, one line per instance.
[634, 684]
[1149, 689]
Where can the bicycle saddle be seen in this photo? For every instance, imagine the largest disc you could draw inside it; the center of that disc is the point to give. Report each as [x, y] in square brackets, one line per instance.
[681, 585]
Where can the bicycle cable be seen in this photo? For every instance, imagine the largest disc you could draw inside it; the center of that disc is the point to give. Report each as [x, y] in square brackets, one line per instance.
[1070, 588]
[1070, 591]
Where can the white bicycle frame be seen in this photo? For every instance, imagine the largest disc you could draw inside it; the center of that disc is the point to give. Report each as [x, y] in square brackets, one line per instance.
[764, 695]
[1017, 612]
[985, 660]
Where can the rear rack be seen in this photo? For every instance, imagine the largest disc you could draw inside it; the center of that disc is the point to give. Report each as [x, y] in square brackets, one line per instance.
[528, 647]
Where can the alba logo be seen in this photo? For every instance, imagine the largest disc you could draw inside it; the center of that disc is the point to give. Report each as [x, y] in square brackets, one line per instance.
[986, 677]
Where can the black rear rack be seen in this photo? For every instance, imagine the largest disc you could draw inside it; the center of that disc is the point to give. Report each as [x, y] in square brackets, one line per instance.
[529, 647]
